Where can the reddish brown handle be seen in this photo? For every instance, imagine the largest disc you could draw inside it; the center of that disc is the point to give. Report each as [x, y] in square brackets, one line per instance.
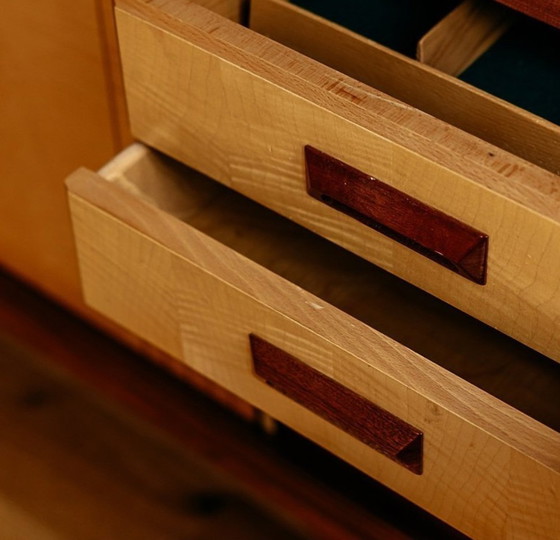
[335, 403]
[418, 226]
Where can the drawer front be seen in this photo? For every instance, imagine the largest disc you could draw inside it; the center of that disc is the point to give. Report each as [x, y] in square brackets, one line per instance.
[482, 466]
[242, 109]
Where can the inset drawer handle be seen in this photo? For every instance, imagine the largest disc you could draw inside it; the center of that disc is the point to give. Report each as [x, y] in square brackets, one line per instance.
[418, 226]
[335, 403]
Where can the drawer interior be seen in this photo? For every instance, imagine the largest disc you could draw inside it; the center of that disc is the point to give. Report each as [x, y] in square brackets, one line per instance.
[488, 359]
[398, 24]
[522, 67]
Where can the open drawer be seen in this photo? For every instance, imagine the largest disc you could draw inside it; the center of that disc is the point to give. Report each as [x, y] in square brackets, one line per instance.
[248, 298]
[458, 217]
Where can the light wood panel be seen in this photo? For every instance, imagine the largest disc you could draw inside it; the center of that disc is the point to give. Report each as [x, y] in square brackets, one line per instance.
[465, 34]
[430, 90]
[59, 110]
[240, 108]
[488, 468]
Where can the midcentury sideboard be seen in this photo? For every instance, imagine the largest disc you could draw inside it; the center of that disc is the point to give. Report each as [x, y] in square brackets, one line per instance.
[358, 235]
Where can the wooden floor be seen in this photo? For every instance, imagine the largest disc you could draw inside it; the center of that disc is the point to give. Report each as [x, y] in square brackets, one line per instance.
[74, 467]
[98, 443]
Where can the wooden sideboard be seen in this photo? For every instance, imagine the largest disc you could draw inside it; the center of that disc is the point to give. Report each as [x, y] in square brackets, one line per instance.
[258, 112]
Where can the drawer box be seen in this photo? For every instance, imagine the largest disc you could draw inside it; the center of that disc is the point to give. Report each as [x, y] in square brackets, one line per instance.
[196, 269]
[242, 109]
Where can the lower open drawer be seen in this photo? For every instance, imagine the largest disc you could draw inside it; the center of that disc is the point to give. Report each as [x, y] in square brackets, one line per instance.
[248, 299]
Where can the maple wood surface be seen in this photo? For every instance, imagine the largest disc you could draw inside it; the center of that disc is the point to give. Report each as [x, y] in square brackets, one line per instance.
[426, 325]
[241, 109]
[198, 300]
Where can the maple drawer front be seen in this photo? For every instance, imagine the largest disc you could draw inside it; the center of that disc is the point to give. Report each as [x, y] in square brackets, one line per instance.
[159, 255]
[242, 109]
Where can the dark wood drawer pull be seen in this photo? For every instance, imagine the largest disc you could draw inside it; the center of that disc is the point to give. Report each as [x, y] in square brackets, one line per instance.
[418, 226]
[347, 410]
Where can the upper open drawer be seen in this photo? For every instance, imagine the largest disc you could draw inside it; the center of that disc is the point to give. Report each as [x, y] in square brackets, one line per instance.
[357, 166]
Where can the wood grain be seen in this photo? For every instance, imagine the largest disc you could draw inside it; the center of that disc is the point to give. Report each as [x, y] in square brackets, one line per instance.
[421, 86]
[347, 410]
[241, 108]
[198, 300]
[465, 34]
[396, 215]
[547, 11]
[60, 109]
